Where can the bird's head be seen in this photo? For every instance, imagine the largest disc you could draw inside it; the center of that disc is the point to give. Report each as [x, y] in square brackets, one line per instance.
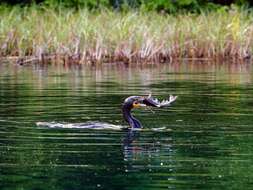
[134, 102]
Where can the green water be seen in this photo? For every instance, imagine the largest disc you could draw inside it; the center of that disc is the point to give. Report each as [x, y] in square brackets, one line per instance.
[204, 141]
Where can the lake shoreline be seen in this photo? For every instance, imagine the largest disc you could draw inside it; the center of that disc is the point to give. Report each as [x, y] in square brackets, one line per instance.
[82, 36]
[28, 60]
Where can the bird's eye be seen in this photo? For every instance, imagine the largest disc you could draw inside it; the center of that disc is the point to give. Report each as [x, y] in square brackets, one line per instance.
[136, 104]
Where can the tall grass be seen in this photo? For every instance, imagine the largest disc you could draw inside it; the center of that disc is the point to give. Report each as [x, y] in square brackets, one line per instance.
[83, 36]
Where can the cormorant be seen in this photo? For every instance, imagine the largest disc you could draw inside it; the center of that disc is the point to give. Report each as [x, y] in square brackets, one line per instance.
[129, 103]
[140, 101]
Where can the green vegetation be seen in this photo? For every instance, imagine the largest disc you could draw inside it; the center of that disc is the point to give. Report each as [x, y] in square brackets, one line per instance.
[109, 36]
[169, 6]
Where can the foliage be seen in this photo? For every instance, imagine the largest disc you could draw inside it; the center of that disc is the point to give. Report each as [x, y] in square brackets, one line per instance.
[90, 4]
[128, 36]
[169, 6]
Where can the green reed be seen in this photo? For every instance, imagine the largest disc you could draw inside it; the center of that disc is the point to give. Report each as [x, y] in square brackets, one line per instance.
[108, 36]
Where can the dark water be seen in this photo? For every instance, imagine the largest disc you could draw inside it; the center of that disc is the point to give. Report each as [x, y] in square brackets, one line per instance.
[204, 141]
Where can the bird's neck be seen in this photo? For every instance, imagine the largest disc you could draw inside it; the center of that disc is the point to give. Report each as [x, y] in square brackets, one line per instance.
[133, 122]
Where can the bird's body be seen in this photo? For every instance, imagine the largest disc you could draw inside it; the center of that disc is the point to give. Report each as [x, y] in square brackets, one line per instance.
[128, 105]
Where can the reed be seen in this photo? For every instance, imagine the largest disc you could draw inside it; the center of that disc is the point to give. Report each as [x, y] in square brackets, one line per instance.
[82, 36]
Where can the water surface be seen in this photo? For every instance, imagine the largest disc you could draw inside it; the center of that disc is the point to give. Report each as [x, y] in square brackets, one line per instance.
[204, 141]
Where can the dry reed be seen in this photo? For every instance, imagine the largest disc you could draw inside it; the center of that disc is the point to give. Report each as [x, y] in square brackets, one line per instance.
[81, 36]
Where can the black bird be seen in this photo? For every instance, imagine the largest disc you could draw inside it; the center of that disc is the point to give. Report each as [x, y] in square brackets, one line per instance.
[129, 103]
[141, 101]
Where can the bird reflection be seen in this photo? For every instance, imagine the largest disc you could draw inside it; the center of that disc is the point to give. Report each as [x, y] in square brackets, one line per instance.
[139, 155]
[130, 137]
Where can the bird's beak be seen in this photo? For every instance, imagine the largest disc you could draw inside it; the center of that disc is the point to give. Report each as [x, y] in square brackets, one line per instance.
[150, 102]
[142, 105]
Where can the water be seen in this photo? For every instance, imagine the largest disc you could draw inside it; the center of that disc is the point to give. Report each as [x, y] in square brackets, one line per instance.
[204, 141]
